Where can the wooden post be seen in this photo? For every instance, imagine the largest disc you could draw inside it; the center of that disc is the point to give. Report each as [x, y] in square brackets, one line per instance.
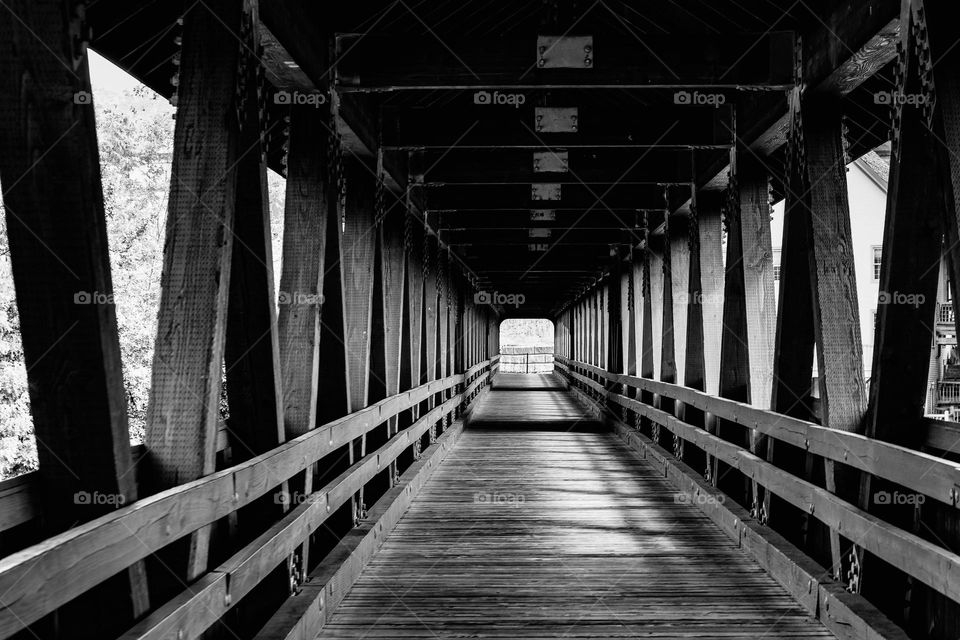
[252, 352]
[183, 414]
[704, 304]
[668, 361]
[921, 212]
[413, 240]
[648, 361]
[636, 324]
[606, 304]
[309, 205]
[761, 313]
[820, 219]
[680, 259]
[710, 225]
[393, 290]
[626, 327]
[357, 252]
[443, 320]
[655, 255]
[430, 309]
[56, 226]
[749, 314]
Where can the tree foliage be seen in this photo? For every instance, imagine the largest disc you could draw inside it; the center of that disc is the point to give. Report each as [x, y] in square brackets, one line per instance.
[135, 137]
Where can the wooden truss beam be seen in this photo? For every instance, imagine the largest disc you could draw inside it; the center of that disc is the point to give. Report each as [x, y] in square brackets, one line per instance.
[761, 61]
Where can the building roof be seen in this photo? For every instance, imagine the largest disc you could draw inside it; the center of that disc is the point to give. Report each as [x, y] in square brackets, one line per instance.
[876, 164]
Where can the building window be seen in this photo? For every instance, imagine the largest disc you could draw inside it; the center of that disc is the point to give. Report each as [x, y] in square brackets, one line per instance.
[776, 264]
[877, 253]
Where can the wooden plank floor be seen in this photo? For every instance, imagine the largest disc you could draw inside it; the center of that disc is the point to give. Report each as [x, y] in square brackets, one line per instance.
[540, 400]
[530, 533]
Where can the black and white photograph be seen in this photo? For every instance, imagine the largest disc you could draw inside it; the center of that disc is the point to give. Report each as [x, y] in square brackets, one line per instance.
[479, 319]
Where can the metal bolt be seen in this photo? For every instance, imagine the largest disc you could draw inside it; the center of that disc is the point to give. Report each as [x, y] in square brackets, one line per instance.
[588, 61]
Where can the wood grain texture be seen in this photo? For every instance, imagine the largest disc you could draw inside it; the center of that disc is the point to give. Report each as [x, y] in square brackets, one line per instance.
[308, 204]
[523, 533]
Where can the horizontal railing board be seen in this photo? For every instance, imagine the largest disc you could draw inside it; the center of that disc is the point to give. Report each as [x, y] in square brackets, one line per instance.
[198, 608]
[847, 615]
[942, 435]
[521, 350]
[303, 615]
[19, 500]
[935, 566]
[39, 579]
[930, 475]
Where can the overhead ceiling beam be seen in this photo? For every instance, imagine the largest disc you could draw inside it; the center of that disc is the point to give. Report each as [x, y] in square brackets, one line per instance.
[556, 236]
[571, 196]
[469, 126]
[590, 166]
[843, 50]
[847, 48]
[373, 63]
[302, 53]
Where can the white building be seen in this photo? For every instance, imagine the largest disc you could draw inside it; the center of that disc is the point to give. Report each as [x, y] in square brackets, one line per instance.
[867, 191]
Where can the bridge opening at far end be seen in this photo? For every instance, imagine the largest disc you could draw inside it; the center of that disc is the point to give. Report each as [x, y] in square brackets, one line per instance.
[526, 346]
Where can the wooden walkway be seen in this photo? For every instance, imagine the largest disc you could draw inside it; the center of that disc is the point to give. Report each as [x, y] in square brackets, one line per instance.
[531, 533]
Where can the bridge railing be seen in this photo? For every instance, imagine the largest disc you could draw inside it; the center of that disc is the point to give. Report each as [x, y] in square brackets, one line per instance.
[38, 580]
[920, 474]
[526, 359]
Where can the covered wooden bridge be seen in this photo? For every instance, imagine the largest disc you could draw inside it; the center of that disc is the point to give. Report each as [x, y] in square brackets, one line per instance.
[707, 458]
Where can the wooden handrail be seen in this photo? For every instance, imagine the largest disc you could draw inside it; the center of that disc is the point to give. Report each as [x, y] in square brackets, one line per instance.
[930, 475]
[937, 567]
[39, 579]
[20, 500]
[203, 603]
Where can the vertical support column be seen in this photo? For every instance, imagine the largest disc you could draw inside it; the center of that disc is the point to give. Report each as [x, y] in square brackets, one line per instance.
[430, 296]
[922, 212]
[183, 414]
[310, 203]
[357, 252]
[648, 359]
[703, 257]
[577, 331]
[443, 319]
[680, 259]
[710, 227]
[626, 329]
[817, 201]
[413, 240]
[252, 350]
[431, 316]
[393, 276]
[754, 183]
[56, 226]
[605, 326]
[656, 273]
[668, 362]
[635, 345]
[748, 313]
